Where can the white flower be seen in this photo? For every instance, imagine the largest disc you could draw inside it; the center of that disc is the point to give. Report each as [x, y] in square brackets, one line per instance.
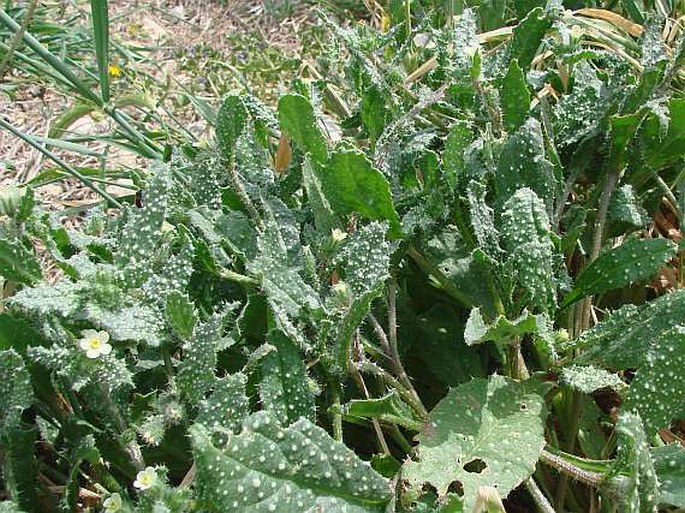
[338, 235]
[146, 479]
[95, 343]
[113, 503]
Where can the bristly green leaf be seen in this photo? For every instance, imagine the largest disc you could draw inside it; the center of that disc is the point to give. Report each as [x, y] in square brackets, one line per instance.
[62, 298]
[523, 164]
[324, 217]
[180, 314]
[457, 141]
[16, 393]
[284, 388]
[483, 220]
[298, 121]
[514, 97]
[20, 468]
[622, 340]
[137, 321]
[17, 263]
[633, 467]
[352, 184]
[483, 433]
[635, 260]
[528, 36]
[658, 393]
[669, 463]
[196, 372]
[289, 470]
[230, 124]
[227, 406]
[504, 331]
[589, 379]
[389, 408]
[526, 237]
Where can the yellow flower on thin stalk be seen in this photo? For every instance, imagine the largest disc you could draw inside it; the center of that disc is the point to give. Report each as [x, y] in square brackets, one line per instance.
[114, 70]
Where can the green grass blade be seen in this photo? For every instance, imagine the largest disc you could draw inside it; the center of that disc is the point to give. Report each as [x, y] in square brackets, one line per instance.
[51, 59]
[100, 19]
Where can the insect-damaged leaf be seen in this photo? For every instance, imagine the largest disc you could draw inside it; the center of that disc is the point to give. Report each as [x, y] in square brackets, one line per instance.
[636, 260]
[268, 468]
[503, 330]
[483, 433]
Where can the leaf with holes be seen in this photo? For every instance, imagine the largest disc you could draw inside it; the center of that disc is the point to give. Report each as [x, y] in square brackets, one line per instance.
[635, 260]
[483, 433]
[504, 331]
[268, 468]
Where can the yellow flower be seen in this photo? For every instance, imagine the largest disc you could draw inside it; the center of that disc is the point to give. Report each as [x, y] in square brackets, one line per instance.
[114, 70]
[146, 479]
[95, 343]
[112, 503]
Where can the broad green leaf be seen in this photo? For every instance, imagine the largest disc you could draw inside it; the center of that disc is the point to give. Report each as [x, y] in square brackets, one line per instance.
[16, 393]
[514, 97]
[172, 276]
[588, 379]
[180, 314]
[284, 388]
[635, 260]
[227, 406]
[622, 340]
[196, 371]
[230, 124]
[669, 463]
[634, 468]
[492, 13]
[288, 470]
[483, 433]
[527, 37]
[17, 334]
[658, 391]
[17, 263]
[526, 237]
[504, 331]
[298, 121]
[523, 164]
[457, 141]
[389, 408]
[352, 184]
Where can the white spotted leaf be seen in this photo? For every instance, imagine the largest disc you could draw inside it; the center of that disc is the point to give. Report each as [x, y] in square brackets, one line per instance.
[669, 463]
[268, 468]
[635, 260]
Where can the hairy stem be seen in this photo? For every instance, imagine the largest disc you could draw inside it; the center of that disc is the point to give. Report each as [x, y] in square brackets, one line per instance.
[540, 499]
